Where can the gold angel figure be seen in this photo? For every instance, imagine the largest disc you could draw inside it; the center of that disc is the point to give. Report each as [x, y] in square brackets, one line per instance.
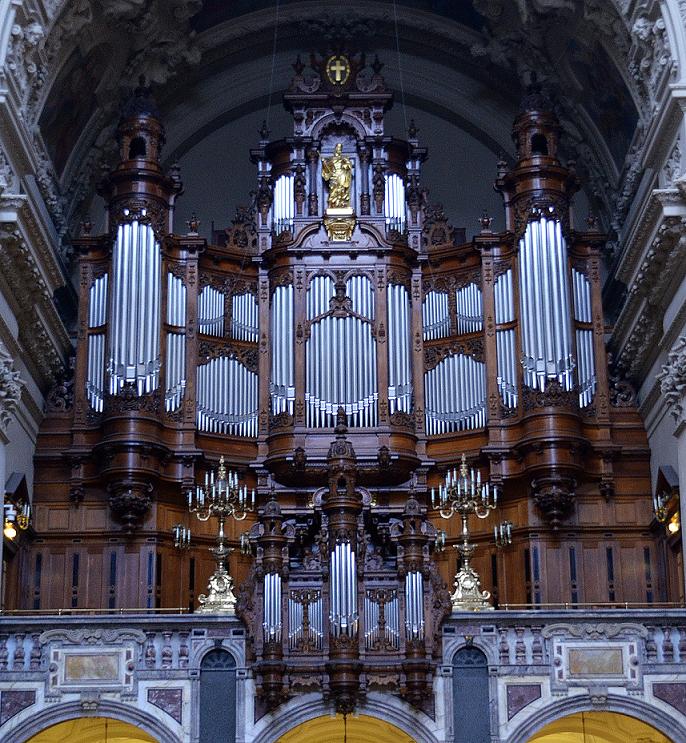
[337, 171]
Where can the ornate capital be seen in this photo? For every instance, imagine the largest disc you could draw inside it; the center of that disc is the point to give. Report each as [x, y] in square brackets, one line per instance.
[10, 388]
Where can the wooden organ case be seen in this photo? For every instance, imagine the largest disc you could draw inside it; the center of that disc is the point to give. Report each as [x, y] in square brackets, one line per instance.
[340, 345]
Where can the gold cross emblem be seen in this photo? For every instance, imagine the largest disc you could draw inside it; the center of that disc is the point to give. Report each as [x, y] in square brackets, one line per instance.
[338, 69]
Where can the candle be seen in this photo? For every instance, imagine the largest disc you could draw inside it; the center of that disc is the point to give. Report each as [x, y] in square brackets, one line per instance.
[433, 497]
[253, 497]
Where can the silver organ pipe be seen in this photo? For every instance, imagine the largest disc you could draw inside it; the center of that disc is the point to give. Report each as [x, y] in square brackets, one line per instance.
[343, 590]
[271, 604]
[211, 311]
[298, 634]
[97, 317]
[584, 338]
[134, 355]
[455, 395]
[176, 343]
[470, 310]
[282, 385]
[399, 372]
[374, 635]
[283, 208]
[244, 317]
[436, 315]
[414, 605]
[341, 356]
[545, 311]
[227, 397]
[394, 202]
[505, 339]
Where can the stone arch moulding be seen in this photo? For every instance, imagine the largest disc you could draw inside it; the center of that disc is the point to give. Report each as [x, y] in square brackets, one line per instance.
[383, 707]
[631, 706]
[229, 646]
[30, 723]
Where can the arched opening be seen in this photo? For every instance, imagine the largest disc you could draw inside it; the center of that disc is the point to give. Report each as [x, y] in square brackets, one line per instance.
[471, 719]
[359, 729]
[598, 727]
[93, 730]
[218, 697]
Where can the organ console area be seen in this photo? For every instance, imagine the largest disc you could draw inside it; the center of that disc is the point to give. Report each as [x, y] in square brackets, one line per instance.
[341, 345]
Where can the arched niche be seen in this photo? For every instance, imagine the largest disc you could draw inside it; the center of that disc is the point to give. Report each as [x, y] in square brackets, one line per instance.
[217, 697]
[359, 728]
[598, 727]
[471, 718]
[92, 730]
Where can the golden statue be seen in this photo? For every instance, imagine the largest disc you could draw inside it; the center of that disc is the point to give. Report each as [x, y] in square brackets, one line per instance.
[337, 171]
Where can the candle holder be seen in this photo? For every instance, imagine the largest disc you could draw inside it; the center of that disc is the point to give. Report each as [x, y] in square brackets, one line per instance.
[221, 497]
[465, 494]
[503, 534]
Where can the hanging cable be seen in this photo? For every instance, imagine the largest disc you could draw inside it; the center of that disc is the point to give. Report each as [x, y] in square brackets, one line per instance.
[400, 68]
[271, 76]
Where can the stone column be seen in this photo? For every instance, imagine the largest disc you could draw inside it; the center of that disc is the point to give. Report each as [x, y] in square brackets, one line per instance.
[10, 394]
[673, 386]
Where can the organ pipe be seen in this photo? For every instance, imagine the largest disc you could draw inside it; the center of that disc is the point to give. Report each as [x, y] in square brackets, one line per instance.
[506, 351]
[375, 634]
[469, 309]
[399, 372]
[545, 309]
[282, 385]
[284, 204]
[455, 395]
[584, 338]
[244, 322]
[211, 311]
[414, 605]
[297, 632]
[341, 366]
[271, 605]
[134, 344]
[343, 590]
[176, 343]
[435, 315]
[394, 202]
[227, 397]
[97, 317]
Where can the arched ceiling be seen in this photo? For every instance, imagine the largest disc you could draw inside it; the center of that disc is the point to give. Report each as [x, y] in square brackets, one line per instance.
[463, 65]
[598, 727]
[359, 729]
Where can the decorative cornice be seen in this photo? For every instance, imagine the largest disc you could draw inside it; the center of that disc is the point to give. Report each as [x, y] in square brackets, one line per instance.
[42, 334]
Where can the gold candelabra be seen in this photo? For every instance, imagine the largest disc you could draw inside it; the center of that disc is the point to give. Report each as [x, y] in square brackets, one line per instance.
[465, 494]
[221, 497]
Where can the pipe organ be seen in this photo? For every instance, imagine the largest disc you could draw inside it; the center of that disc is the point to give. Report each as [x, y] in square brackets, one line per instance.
[544, 305]
[340, 347]
[97, 317]
[176, 343]
[282, 384]
[341, 366]
[134, 343]
[584, 338]
[211, 311]
[505, 340]
[227, 397]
